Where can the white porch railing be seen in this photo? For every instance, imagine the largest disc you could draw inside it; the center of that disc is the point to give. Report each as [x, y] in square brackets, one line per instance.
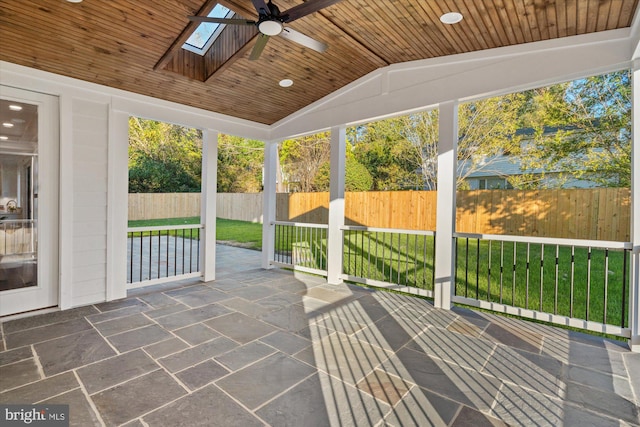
[578, 283]
[301, 246]
[163, 253]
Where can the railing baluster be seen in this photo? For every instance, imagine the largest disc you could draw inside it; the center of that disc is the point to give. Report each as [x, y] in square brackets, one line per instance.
[572, 279]
[555, 298]
[606, 285]
[489, 274]
[466, 268]
[526, 297]
[624, 286]
[588, 282]
[541, 275]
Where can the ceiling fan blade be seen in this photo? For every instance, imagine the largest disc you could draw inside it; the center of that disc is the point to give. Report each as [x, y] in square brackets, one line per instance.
[259, 47]
[303, 40]
[228, 21]
[306, 8]
[261, 7]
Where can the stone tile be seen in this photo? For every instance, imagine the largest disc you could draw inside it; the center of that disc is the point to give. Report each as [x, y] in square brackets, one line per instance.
[186, 290]
[189, 317]
[574, 416]
[226, 285]
[18, 373]
[524, 340]
[460, 384]
[167, 310]
[194, 355]
[25, 323]
[196, 334]
[138, 338]
[632, 361]
[389, 333]
[518, 406]
[600, 380]
[529, 370]
[11, 356]
[165, 348]
[340, 324]
[157, 299]
[45, 333]
[239, 327]
[254, 292]
[439, 318]
[116, 326]
[471, 418]
[115, 370]
[114, 305]
[286, 342]
[202, 374]
[603, 402]
[279, 300]
[40, 390]
[260, 382]
[244, 355]
[456, 348]
[123, 403]
[203, 297]
[460, 326]
[134, 423]
[585, 355]
[245, 307]
[206, 407]
[331, 295]
[81, 413]
[387, 388]
[420, 407]
[321, 402]
[72, 351]
[473, 317]
[292, 318]
[115, 314]
[347, 358]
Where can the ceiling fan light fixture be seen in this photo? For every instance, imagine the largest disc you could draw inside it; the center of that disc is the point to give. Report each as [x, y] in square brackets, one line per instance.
[450, 18]
[270, 27]
[286, 83]
[14, 107]
[3, 137]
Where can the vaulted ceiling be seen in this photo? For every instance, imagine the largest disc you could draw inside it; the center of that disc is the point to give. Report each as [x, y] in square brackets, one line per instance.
[136, 45]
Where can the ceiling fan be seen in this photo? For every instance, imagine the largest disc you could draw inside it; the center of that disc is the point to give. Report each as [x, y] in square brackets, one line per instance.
[271, 23]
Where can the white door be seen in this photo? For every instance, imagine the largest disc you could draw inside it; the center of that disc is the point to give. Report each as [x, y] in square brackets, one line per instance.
[29, 180]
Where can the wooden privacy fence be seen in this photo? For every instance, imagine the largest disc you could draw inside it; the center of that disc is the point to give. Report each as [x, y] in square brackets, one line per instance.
[598, 214]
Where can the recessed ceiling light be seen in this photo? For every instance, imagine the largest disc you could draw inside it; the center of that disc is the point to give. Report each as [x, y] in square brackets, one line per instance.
[286, 82]
[74, 1]
[451, 18]
[15, 107]
[3, 137]
[7, 125]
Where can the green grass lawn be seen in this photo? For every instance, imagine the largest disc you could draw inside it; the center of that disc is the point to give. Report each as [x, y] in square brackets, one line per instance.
[408, 260]
[242, 233]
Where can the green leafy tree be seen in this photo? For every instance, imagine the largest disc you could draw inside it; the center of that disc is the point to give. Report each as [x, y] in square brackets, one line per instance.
[240, 164]
[357, 177]
[163, 157]
[582, 131]
[301, 159]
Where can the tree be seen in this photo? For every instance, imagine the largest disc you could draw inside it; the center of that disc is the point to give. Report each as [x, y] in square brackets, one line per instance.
[301, 159]
[163, 157]
[582, 131]
[357, 177]
[240, 164]
[401, 152]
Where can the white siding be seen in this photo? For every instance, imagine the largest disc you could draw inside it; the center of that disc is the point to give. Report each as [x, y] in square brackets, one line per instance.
[90, 172]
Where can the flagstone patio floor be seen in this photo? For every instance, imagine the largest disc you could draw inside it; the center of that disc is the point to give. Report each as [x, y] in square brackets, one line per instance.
[270, 347]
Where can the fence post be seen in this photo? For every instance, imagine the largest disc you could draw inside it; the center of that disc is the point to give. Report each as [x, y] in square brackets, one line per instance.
[269, 203]
[634, 276]
[208, 204]
[335, 242]
[446, 204]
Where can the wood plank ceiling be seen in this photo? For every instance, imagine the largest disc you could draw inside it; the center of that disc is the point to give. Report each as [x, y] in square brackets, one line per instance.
[127, 44]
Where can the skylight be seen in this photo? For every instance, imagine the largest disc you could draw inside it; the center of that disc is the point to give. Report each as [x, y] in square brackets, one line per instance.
[207, 32]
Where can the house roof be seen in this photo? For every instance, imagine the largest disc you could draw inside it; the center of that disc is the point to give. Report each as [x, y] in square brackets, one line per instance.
[136, 45]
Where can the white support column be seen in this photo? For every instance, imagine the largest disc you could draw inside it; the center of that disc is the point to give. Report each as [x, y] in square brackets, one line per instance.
[446, 204]
[335, 243]
[208, 204]
[269, 203]
[634, 277]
